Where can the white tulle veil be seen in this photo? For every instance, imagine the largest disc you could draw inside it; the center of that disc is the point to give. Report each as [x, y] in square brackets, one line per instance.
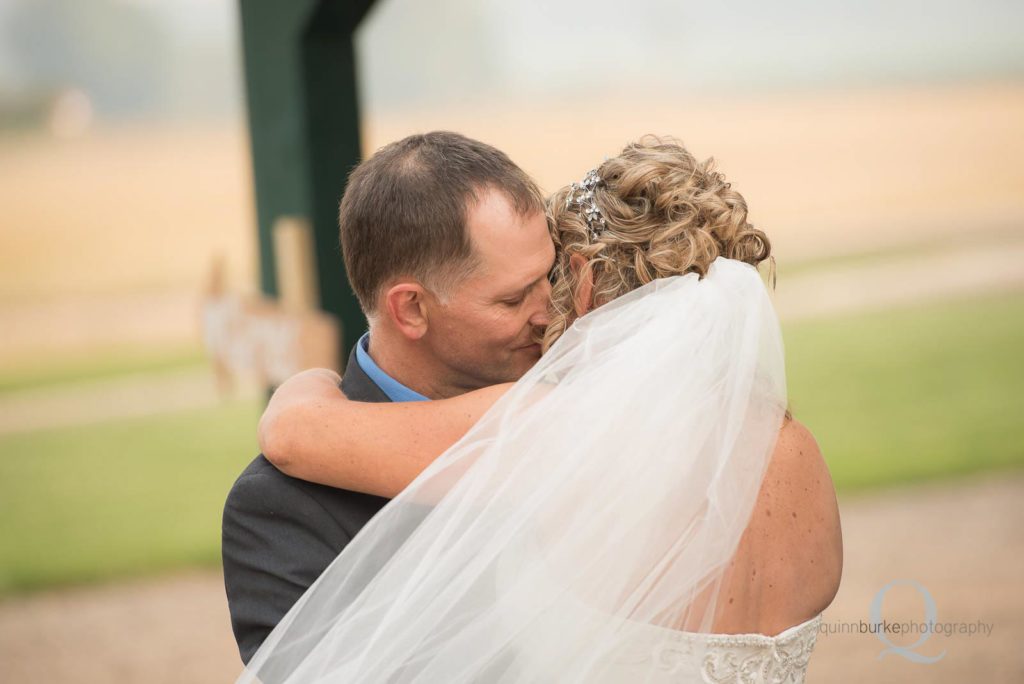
[608, 489]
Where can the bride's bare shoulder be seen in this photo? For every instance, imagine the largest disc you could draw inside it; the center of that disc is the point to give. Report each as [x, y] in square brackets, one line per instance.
[799, 475]
[797, 467]
[798, 484]
[789, 562]
[796, 449]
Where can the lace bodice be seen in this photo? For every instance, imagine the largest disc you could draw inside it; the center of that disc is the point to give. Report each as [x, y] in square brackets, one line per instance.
[656, 655]
[668, 656]
[759, 658]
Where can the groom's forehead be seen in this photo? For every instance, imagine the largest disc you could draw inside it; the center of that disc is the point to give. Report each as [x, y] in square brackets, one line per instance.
[494, 225]
[489, 215]
[520, 244]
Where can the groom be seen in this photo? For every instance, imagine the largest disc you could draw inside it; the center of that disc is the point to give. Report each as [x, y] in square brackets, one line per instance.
[446, 246]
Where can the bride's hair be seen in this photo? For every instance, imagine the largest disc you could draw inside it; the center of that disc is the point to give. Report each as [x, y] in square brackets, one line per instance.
[665, 214]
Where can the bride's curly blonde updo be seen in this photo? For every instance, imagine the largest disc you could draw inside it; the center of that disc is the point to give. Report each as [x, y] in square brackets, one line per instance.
[666, 214]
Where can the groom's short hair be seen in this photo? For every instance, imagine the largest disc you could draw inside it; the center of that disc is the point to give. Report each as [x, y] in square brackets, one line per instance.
[405, 208]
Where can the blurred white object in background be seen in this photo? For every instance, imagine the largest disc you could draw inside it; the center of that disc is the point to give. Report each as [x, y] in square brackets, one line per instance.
[71, 114]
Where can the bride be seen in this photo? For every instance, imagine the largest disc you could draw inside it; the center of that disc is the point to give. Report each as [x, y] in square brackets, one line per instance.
[639, 507]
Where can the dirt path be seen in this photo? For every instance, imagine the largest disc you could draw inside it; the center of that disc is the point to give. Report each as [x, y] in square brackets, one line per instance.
[156, 631]
[962, 541]
[142, 394]
[847, 289]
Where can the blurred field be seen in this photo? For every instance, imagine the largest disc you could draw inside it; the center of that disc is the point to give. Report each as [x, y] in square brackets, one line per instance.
[122, 211]
[107, 239]
[824, 173]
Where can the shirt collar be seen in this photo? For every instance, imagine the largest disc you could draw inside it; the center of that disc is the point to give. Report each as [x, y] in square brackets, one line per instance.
[395, 390]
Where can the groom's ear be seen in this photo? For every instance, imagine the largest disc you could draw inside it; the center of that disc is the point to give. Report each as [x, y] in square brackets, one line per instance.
[406, 306]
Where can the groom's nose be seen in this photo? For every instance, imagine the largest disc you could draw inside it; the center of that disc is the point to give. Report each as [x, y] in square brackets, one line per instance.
[541, 318]
[541, 304]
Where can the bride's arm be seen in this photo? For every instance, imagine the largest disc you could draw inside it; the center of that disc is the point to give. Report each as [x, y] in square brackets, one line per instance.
[311, 431]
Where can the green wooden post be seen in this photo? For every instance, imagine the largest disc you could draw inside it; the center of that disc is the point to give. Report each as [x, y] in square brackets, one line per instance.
[300, 76]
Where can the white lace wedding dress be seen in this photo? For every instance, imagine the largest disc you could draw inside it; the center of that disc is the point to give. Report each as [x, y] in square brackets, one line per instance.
[630, 458]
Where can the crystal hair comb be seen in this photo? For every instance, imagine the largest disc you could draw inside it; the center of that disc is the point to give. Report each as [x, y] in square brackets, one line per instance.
[582, 195]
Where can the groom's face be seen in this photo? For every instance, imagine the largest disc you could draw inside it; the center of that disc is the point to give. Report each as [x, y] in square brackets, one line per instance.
[484, 333]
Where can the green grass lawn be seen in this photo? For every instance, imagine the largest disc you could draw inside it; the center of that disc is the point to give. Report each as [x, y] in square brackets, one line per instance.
[911, 394]
[892, 397]
[121, 498]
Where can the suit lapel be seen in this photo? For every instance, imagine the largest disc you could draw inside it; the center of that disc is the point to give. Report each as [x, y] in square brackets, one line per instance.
[357, 385]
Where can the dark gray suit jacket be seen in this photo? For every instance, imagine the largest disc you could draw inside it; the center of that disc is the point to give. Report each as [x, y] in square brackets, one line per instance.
[279, 533]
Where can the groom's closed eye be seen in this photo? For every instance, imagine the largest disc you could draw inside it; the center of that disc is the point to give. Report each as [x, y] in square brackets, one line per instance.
[515, 300]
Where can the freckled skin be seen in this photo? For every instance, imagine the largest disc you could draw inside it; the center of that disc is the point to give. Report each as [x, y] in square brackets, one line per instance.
[781, 575]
